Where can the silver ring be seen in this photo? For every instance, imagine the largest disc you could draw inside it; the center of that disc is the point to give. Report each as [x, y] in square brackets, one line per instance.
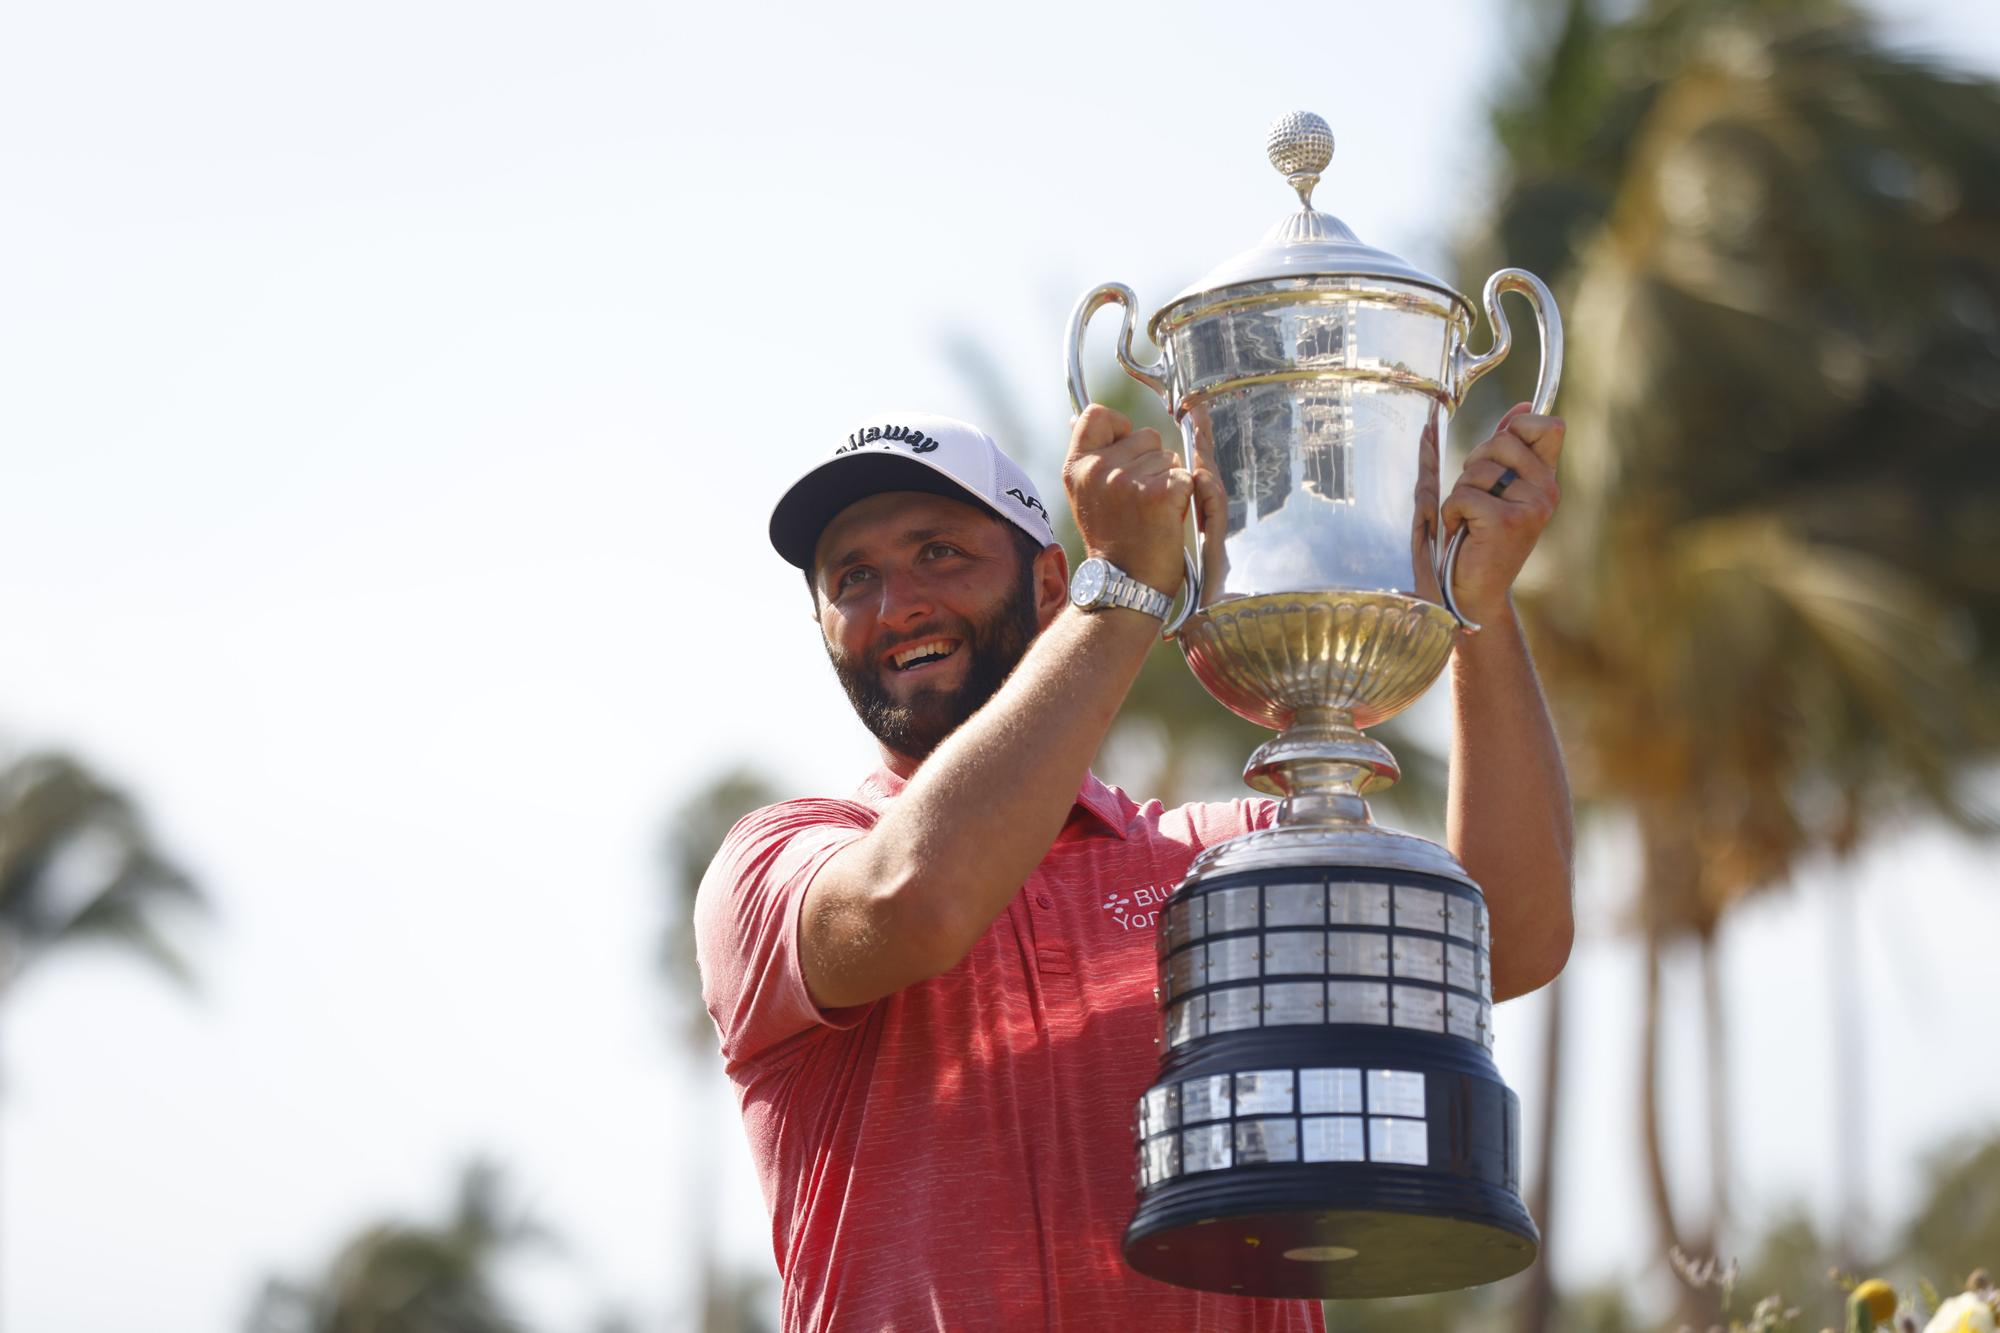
[1507, 478]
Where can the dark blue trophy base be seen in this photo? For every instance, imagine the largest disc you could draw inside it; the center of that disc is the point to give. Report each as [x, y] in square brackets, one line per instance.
[1446, 1215]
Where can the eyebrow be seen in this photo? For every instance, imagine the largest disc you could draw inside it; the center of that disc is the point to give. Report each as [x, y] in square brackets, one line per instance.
[912, 537]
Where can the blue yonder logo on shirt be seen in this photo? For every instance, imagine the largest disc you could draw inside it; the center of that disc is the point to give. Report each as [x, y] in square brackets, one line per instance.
[1138, 909]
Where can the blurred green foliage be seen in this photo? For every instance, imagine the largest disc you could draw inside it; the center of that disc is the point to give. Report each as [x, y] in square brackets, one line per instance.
[1955, 1230]
[401, 1277]
[78, 866]
[694, 831]
[1958, 1227]
[411, 1277]
[1767, 609]
[1766, 613]
[728, 1298]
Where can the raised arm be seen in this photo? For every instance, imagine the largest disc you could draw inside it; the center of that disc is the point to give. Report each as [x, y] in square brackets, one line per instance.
[909, 899]
[1508, 816]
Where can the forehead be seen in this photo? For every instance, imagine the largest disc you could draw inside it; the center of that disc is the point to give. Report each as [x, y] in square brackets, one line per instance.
[893, 517]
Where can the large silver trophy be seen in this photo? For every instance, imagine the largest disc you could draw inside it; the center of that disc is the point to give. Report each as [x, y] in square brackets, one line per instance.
[1327, 1121]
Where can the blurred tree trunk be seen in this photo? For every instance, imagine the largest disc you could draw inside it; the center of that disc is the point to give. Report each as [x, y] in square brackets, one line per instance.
[1666, 877]
[1538, 1305]
[1850, 1134]
[727, 1299]
[1715, 1038]
[1659, 1193]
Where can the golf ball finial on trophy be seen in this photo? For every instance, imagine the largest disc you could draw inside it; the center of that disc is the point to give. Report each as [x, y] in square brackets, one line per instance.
[1327, 1120]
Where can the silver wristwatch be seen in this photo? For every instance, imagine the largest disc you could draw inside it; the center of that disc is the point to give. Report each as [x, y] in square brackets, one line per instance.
[1098, 583]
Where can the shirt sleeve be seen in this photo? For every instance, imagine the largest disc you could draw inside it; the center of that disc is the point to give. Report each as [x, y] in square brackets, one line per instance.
[1217, 821]
[746, 920]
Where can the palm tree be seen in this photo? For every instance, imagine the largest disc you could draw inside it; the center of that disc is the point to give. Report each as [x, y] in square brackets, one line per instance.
[729, 1300]
[78, 865]
[397, 1277]
[1765, 619]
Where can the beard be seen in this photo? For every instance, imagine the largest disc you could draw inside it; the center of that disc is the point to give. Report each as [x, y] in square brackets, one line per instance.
[917, 725]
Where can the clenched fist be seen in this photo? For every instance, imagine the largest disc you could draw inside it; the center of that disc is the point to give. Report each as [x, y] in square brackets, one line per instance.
[1501, 530]
[1130, 494]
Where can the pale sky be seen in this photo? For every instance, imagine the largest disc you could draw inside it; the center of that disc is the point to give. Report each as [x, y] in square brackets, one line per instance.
[391, 400]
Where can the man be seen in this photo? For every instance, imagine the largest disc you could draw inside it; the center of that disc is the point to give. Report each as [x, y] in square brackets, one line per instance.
[936, 1032]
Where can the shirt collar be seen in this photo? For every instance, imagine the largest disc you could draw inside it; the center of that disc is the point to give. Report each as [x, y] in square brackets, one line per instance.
[1102, 803]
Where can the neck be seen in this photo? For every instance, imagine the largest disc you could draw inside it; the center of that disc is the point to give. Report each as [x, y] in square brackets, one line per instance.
[901, 765]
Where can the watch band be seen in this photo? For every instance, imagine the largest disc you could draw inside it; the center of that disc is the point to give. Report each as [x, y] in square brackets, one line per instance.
[1126, 591]
[1121, 589]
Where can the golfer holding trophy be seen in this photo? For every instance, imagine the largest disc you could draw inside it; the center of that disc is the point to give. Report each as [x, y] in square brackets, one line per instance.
[936, 997]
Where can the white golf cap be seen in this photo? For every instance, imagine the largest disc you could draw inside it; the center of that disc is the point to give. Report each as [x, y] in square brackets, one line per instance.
[907, 451]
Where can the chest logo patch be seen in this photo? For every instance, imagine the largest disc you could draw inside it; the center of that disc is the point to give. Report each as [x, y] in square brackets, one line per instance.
[1138, 909]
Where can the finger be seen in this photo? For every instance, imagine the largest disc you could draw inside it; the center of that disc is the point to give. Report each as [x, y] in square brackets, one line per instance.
[1512, 412]
[1542, 434]
[1211, 504]
[1469, 505]
[1484, 466]
[1167, 485]
[1096, 427]
[1139, 444]
[1133, 458]
[1484, 476]
[1149, 463]
[1451, 516]
[1521, 497]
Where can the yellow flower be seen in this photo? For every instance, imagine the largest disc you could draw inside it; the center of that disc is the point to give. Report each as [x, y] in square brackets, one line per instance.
[1878, 1298]
[1964, 1313]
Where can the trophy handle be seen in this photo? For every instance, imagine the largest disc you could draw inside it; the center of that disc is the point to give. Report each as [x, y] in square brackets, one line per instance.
[1468, 369]
[1153, 377]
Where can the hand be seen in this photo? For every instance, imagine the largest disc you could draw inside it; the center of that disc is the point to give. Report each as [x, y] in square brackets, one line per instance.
[1502, 529]
[1130, 495]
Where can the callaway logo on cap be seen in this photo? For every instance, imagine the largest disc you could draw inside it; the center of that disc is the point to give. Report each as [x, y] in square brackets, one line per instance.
[907, 451]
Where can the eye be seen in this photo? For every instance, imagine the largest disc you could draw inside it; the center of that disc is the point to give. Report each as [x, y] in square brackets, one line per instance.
[938, 550]
[850, 577]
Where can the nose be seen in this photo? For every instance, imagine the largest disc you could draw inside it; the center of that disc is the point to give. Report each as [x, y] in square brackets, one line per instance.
[905, 601]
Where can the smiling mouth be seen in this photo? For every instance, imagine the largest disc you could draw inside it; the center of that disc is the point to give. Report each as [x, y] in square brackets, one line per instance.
[922, 654]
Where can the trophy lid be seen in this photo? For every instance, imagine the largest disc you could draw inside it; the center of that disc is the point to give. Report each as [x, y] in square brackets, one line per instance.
[1309, 243]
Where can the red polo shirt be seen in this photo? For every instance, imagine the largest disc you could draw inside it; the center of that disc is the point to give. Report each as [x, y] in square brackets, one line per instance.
[959, 1155]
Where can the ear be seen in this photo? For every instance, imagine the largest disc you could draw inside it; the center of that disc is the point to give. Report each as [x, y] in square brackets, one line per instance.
[1051, 584]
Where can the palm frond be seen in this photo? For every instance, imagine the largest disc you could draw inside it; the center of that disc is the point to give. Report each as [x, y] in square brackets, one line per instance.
[78, 864]
[400, 1277]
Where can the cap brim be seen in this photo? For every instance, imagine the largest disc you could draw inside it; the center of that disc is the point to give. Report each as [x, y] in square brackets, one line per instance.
[803, 512]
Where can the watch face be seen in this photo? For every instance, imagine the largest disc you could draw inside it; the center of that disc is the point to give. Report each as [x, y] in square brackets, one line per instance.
[1088, 585]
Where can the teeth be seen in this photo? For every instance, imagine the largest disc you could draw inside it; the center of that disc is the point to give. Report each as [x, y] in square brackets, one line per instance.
[935, 648]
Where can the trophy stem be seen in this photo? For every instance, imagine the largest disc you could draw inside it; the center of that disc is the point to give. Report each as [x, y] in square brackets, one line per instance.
[1321, 765]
